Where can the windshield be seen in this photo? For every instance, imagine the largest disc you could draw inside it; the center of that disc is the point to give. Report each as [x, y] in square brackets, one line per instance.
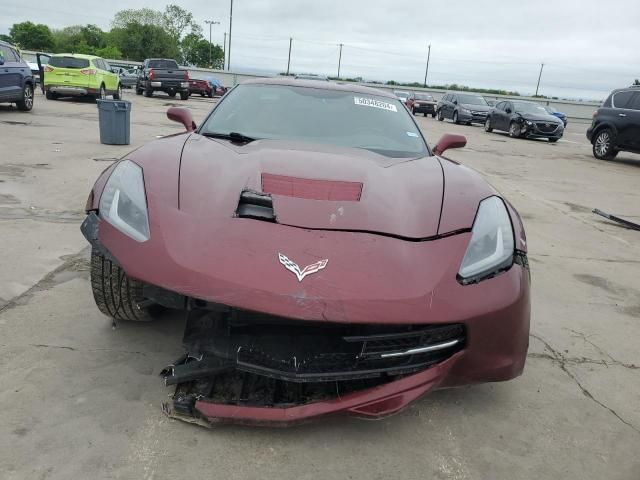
[402, 95]
[422, 96]
[315, 115]
[471, 99]
[527, 107]
[550, 109]
[69, 62]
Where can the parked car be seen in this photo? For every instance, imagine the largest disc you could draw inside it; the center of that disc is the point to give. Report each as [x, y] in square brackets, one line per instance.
[216, 85]
[422, 103]
[162, 75]
[524, 119]
[402, 95]
[209, 87]
[616, 124]
[69, 74]
[556, 113]
[16, 81]
[128, 78]
[492, 102]
[463, 108]
[335, 309]
[32, 61]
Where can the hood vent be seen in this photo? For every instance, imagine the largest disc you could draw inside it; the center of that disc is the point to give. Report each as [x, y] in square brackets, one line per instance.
[255, 205]
[311, 189]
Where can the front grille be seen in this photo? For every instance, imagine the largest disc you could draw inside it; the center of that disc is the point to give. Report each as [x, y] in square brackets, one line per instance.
[270, 360]
[546, 127]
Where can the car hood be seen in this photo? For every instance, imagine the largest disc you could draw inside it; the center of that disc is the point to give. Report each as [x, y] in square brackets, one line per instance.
[476, 108]
[534, 117]
[314, 186]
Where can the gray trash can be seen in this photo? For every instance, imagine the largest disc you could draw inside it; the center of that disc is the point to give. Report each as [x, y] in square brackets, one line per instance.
[115, 120]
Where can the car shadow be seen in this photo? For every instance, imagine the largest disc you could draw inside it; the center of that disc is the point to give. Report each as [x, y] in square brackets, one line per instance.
[631, 161]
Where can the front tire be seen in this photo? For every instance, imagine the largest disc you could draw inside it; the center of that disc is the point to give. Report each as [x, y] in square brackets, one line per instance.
[455, 117]
[514, 130]
[603, 148]
[103, 93]
[117, 295]
[26, 104]
[487, 125]
[184, 95]
[440, 115]
[553, 140]
[118, 94]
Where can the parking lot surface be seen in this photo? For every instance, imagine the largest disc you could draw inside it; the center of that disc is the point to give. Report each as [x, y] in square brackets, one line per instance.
[81, 398]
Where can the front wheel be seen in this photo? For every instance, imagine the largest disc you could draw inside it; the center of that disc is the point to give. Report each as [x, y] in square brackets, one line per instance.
[184, 95]
[440, 115]
[487, 125]
[117, 295]
[514, 130]
[553, 140]
[26, 103]
[455, 117]
[603, 148]
[118, 94]
[433, 115]
[103, 93]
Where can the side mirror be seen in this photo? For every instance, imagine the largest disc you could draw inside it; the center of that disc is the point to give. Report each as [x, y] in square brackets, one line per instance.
[182, 115]
[455, 102]
[449, 140]
[508, 110]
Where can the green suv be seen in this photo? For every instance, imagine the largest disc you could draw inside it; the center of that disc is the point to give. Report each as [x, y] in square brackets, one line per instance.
[80, 75]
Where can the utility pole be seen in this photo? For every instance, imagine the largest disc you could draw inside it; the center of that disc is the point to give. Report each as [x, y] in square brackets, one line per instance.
[230, 25]
[426, 72]
[539, 76]
[211, 24]
[224, 50]
[289, 61]
[339, 60]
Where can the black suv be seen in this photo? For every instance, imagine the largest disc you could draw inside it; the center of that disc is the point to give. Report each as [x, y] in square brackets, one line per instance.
[16, 81]
[616, 124]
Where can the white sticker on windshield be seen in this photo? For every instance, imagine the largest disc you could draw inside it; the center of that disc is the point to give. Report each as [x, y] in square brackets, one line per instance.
[412, 134]
[372, 102]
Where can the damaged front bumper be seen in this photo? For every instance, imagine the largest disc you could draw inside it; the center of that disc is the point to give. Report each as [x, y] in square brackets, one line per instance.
[248, 367]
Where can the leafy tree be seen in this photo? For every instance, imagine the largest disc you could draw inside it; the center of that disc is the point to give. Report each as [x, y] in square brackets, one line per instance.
[195, 51]
[636, 82]
[79, 39]
[177, 20]
[30, 36]
[139, 41]
[6, 38]
[109, 52]
[142, 16]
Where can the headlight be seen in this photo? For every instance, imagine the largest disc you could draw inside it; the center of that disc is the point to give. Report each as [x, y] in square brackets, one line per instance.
[124, 204]
[491, 247]
[465, 110]
[528, 122]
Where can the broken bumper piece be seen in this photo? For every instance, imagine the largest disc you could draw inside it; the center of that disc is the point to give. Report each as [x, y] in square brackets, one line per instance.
[250, 368]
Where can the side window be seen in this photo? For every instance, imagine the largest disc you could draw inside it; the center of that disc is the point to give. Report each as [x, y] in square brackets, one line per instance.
[16, 56]
[500, 106]
[622, 99]
[635, 102]
[508, 106]
[7, 54]
[107, 67]
[453, 98]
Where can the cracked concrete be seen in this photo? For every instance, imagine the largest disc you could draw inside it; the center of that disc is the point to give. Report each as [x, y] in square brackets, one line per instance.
[82, 399]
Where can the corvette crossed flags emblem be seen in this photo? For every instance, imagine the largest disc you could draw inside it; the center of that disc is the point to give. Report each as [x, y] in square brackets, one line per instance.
[301, 273]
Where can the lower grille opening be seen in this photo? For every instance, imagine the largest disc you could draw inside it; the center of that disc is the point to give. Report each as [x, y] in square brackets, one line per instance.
[242, 358]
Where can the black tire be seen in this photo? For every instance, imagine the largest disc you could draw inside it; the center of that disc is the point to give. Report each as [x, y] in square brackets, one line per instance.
[440, 115]
[172, 94]
[138, 91]
[118, 94]
[210, 94]
[603, 145]
[26, 104]
[553, 140]
[514, 130]
[184, 95]
[202, 93]
[103, 92]
[148, 92]
[487, 125]
[433, 115]
[455, 118]
[117, 295]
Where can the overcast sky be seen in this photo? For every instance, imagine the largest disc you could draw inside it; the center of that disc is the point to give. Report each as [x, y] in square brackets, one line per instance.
[589, 47]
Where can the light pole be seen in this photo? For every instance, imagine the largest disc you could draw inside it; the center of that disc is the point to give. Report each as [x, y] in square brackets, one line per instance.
[224, 50]
[211, 24]
[229, 47]
[539, 77]
[289, 61]
[427, 70]
[339, 60]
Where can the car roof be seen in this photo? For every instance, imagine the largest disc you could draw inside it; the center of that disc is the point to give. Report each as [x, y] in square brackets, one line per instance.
[319, 84]
[75, 55]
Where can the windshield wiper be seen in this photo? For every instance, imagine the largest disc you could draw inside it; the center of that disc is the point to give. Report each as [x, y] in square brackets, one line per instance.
[233, 136]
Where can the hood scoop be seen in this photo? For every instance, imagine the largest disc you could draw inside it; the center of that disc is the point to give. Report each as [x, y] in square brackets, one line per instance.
[311, 189]
[255, 205]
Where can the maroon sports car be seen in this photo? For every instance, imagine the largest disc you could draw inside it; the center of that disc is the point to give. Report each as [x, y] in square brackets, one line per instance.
[326, 258]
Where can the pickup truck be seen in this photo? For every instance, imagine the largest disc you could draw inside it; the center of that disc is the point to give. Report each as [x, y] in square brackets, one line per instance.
[162, 74]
